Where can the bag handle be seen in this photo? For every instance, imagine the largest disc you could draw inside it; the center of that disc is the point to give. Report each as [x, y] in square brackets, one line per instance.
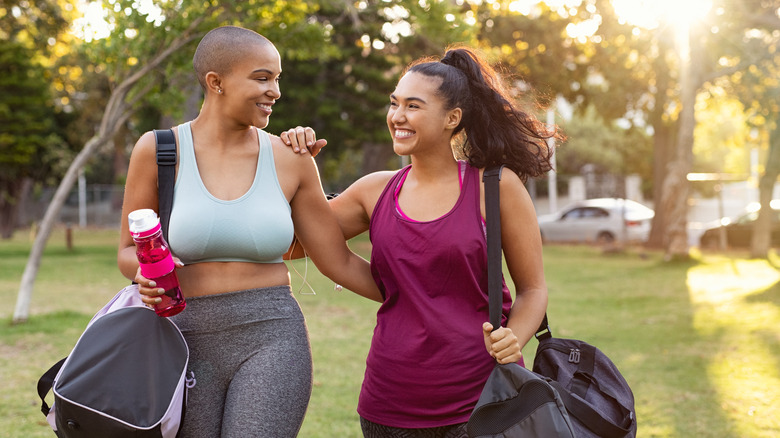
[590, 417]
[166, 168]
[491, 177]
[46, 382]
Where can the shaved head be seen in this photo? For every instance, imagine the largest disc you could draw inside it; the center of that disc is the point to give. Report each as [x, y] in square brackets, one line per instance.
[221, 48]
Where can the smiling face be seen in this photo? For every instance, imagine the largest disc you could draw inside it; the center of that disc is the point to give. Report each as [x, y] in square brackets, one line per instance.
[251, 87]
[417, 118]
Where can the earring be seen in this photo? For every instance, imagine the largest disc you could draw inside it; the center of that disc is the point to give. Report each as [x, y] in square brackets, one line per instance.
[219, 91]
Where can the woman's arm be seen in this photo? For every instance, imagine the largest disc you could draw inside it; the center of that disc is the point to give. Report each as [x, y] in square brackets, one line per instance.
[317, 229]
[352, 208]
[140, 192]
[522, 246]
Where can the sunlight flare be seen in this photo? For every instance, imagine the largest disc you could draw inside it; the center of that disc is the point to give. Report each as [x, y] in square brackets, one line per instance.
[650, 14]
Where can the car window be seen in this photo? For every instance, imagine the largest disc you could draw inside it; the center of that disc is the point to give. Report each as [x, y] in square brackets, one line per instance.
[574, 213]
[594, 213]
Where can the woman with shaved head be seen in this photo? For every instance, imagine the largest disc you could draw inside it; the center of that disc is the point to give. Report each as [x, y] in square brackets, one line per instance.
[240, 196]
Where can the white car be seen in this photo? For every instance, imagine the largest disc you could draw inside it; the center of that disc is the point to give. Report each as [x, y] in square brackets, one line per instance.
[602, 220]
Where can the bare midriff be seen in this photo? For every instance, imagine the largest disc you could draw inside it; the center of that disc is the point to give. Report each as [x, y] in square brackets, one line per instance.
[210, 278]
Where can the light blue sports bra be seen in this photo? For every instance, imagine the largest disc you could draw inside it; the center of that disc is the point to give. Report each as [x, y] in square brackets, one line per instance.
[255, 228]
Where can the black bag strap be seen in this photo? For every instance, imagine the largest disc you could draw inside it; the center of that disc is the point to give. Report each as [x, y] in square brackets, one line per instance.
[166, 167]
[46, 382]
[491, 178]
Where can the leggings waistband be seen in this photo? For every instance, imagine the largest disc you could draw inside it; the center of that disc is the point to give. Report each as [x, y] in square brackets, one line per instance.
[220, 311]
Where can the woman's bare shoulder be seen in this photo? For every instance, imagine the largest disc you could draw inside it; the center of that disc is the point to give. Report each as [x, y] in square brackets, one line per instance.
[374, 179]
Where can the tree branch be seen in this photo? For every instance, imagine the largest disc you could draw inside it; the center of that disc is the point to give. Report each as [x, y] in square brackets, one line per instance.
[120, 92]
[742, 65]
[765, 18]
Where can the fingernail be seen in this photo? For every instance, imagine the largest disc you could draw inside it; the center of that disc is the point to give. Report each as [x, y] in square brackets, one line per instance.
[158, 300]
[152, 284]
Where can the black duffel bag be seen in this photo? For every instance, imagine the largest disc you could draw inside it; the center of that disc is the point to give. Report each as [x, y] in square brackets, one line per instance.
[597, 397]
[516, 402]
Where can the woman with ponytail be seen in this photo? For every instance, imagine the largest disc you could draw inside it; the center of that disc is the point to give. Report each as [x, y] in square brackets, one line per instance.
[432, 349]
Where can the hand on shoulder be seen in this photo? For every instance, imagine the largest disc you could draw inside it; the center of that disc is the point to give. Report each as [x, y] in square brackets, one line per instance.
[303, 140]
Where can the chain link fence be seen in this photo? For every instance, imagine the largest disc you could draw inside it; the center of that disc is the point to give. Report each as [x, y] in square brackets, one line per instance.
[98, 205]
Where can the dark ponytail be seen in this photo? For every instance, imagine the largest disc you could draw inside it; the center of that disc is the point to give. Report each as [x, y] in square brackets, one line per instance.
[496, 131]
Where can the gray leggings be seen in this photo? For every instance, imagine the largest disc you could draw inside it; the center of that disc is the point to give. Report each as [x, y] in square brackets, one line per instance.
[250, 354]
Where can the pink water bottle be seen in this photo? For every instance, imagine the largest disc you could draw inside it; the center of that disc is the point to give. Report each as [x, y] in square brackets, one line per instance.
[156, 260]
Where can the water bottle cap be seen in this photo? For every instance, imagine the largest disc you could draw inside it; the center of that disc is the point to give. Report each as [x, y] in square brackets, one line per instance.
[142, 220]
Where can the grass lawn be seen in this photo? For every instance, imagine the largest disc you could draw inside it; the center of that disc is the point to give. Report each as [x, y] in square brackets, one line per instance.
[699, 342]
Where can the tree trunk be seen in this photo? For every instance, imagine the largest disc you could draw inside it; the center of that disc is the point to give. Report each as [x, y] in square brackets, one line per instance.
[9, 208]
[663, 137]
[663, 146]
[21, 311]
[675, 209]
[675, 188]
[11, 205]
[761, 240]
[116, 113]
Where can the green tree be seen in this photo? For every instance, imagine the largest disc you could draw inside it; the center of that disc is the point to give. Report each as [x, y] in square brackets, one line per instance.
[638, 74]
[29, 144]
[611, 148]
[30, 147]
[754, 50]
[530, 45]
[145, 56]
[734, 38]
[343, 92]
[722, 138]
[597, 62]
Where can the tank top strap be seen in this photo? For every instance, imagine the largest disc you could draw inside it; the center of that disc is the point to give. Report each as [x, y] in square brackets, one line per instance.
[471, 187]
[265, 143]
[386, 203]
[186, 160]
[265, 160]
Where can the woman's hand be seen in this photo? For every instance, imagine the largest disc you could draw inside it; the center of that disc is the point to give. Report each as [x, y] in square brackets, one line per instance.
[502, 344]
[303, 140]
[150, 293]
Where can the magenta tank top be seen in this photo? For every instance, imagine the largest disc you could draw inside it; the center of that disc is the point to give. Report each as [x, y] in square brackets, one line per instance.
[428, 363]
